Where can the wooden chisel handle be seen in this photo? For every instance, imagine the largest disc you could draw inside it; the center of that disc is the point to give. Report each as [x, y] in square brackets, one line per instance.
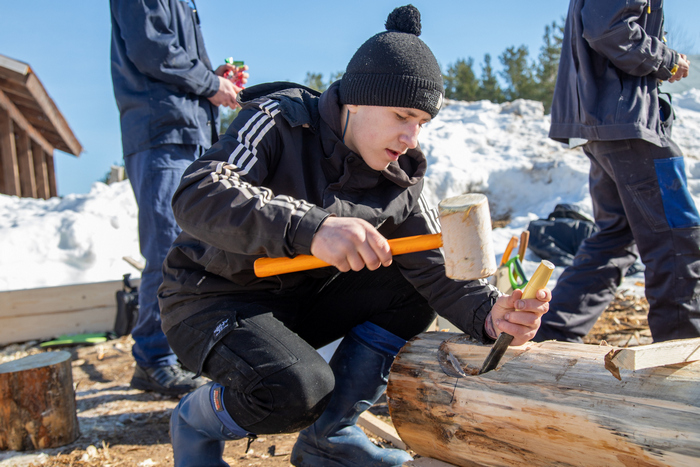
[538, 281]
[266, 267]
[524, 240]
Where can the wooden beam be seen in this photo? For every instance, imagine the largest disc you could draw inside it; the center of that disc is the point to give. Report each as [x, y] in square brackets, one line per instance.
[653, 355]
[52, 325]
[18, 94]
[8, 153]
[71, 146]
[41, 171]
[12, 68]
[14, 72]
[51, 170]
[25, 161]
[18, 118]
[380, 428]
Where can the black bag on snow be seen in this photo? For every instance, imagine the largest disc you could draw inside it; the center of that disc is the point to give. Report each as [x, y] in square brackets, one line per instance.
[558, 237]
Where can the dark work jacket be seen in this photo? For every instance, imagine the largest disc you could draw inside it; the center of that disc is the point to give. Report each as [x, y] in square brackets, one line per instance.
[161, 75]
[612, 59]
[267, 185]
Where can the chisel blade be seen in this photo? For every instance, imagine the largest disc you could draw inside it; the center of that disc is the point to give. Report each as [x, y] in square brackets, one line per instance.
[499, 348]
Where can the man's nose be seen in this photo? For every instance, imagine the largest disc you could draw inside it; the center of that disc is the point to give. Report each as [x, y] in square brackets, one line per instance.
[409, 136]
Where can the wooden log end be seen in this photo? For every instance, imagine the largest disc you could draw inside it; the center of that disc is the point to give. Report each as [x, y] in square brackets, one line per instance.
[37, 402]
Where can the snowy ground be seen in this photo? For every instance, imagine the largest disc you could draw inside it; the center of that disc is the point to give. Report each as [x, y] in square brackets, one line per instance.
[498, 149]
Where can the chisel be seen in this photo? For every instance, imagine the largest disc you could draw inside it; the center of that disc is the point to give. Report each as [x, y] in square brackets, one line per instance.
[538, 281]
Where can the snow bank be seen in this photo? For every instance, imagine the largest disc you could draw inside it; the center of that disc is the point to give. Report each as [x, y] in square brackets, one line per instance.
[499, 149]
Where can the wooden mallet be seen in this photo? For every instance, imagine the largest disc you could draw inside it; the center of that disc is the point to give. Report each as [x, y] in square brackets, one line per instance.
[465, 239]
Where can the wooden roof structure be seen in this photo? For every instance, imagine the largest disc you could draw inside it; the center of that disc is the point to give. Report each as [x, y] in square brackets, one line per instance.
[31, 127]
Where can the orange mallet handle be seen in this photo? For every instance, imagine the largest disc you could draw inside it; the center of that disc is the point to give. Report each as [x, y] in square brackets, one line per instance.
[266, 267]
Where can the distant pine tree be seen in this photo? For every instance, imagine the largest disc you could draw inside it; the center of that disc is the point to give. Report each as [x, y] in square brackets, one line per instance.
[548, 66]
[315, 80]
[489, 88]
[519, 74]
[460, 81]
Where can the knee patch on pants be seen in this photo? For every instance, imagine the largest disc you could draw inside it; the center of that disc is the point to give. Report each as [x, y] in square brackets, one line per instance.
[284, 401]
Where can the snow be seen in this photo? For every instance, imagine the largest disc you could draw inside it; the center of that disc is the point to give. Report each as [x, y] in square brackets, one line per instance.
[501, 150]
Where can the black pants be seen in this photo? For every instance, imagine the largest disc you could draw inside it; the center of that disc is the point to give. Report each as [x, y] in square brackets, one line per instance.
[641, 204]
[261, 345]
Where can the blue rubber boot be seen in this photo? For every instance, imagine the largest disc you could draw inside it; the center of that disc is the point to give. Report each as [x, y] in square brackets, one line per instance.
[199, 425]
[361, 368]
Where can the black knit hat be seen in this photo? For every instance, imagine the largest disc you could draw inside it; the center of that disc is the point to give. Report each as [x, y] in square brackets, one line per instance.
[395, 68]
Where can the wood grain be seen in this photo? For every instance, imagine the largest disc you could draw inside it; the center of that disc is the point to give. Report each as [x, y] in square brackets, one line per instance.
[549, 404]
[37, 402]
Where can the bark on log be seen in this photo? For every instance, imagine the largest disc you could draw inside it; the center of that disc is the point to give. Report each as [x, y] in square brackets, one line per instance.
[37, 402]
[547, 404]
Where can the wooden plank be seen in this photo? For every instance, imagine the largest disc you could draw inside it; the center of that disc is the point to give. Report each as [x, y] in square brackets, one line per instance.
[18, 94]
[41, 171]
[18, 118]
[379, 428]
[48, 312]
[8, 153]
[51, 171]
[21, 73]
[12, 68]
[60, 299]
[659, 354]
[48, 326]
[548, 404]
[25, 160]
[69, 143]
[135, 263]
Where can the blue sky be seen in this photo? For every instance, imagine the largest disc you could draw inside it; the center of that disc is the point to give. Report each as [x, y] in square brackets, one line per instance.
[67, 45]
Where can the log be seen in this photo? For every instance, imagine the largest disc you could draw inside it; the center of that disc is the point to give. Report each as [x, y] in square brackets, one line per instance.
[426, 462]
[548, 404]
[37, 402]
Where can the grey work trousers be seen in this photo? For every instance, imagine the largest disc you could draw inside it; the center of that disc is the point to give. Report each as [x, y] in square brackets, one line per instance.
[642, 205]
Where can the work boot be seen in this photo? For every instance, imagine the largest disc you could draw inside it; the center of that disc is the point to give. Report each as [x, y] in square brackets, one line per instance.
[361, 368]
[199, 425]
[170, 380]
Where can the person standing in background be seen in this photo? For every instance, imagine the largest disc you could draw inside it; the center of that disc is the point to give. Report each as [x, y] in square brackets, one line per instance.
[168, 97]
[614, 55]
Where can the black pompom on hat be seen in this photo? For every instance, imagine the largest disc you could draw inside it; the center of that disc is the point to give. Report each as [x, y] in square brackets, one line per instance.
[395, 68]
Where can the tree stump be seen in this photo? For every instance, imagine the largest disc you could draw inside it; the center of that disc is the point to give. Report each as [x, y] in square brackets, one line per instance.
[547, 404]
[37, 402]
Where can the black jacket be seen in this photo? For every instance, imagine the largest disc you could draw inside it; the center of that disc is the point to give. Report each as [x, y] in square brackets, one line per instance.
[161, 75]
[612, 59]
[268, 184]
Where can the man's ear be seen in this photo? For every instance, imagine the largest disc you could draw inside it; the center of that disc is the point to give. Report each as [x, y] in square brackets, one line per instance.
[352, 108]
